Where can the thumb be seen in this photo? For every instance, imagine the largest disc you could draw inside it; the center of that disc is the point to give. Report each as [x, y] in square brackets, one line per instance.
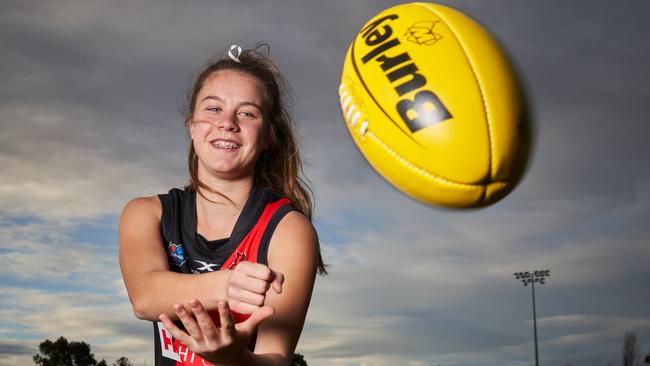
[257, 317]
[276, 283]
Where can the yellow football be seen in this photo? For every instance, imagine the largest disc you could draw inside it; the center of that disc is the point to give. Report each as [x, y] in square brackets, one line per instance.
[434, 106]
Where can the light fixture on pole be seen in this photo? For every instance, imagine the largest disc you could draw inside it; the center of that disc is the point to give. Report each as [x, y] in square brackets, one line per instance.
[531, 278]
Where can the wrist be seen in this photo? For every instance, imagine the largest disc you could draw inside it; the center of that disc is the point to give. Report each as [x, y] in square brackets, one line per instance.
[216, 288]
[243, 358]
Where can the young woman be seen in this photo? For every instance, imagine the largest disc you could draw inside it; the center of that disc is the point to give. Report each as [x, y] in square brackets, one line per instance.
[225, 268]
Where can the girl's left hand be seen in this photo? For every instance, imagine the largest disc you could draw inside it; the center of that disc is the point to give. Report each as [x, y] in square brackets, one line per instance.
[225, 344]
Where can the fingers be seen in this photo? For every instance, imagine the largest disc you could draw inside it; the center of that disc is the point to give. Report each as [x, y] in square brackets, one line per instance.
[247, 296]
[203, 337]
[205, 323]
[188, 321]
[257, 270]
[257, 317]
[227, 323]
[242, 307]
[248, 285]
[176, 332]
[277, 282]
[260, 272]
[198, 324]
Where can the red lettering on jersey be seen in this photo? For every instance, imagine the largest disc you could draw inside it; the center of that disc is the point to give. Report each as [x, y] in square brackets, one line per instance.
[189, 358]
[167, 340]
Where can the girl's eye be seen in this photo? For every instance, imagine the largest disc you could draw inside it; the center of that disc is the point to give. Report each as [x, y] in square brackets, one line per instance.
[247, 114]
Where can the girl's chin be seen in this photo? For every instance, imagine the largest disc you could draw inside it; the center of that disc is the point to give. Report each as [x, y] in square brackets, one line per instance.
[229, 171]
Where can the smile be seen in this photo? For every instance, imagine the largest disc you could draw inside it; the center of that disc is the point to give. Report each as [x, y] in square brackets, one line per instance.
[225, 144]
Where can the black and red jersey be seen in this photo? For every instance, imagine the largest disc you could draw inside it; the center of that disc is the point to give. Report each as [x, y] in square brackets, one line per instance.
[189, 252]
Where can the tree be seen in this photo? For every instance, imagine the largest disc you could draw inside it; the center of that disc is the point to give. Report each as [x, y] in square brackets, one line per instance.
[630, 349]
[122, 361]
[298, 360]
[64, 353]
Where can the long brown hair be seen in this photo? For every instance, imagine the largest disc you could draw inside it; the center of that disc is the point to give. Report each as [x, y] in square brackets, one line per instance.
[279, 167]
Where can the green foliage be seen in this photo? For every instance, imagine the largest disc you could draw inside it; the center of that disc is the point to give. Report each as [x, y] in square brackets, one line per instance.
[630, 349]
[298, 360]
[122, 361]
[64, 353]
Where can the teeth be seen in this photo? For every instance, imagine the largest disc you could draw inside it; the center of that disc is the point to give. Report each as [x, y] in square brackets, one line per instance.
[225, 144]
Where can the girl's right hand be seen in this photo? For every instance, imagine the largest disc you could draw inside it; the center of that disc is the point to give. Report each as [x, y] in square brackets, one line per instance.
[222, 344]
[248, 284]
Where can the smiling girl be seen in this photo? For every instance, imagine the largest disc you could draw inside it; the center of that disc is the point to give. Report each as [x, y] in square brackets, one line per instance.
[225, 267]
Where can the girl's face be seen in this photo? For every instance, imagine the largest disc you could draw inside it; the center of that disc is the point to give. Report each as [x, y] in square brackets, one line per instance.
[227, 128]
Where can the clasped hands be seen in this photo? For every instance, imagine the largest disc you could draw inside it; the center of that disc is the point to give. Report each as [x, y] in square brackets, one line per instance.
[247, 287]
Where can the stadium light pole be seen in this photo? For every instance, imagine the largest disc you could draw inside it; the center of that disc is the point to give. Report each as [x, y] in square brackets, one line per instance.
[531, 278]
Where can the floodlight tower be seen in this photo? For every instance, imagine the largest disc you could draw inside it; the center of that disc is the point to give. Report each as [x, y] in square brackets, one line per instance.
[530, 278]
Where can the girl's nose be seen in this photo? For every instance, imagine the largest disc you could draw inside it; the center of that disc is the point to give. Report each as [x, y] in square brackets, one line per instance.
[228, 122]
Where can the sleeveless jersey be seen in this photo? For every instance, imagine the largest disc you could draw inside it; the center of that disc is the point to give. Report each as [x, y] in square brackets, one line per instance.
[189, 252]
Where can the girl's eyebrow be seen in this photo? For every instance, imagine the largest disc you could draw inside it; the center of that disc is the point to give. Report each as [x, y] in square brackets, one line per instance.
[219, 99]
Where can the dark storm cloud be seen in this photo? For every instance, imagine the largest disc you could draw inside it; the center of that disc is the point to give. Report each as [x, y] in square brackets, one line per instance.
[90, 105]
[12, 348]
[586, 71]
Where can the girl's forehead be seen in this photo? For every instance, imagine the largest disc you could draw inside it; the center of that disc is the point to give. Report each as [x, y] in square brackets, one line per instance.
[232, 77]
[232, 83]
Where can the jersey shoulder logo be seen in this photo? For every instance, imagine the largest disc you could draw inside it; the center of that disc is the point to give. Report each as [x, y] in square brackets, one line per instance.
[176, 254]
[239, 257]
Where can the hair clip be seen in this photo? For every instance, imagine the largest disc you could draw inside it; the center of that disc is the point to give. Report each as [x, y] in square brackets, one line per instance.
[231, 55]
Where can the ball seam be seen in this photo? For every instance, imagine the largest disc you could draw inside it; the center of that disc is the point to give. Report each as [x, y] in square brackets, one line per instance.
[347, 100]
[421, 171]
[486, 107]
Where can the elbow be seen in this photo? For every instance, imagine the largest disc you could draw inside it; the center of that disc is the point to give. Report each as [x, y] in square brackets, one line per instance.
[141, 310]
[139, 313]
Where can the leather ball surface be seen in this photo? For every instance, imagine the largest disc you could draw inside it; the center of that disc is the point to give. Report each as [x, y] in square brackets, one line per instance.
[434, 106]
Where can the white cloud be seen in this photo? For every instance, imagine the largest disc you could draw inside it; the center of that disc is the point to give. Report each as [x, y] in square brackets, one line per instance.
[105, 322]
[13, 360]
[44, 252]
[68, 177]
[391, 285]
[89, 105]
[592, 321]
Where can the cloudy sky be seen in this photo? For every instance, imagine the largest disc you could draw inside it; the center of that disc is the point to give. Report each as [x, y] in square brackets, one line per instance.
[89, 109]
